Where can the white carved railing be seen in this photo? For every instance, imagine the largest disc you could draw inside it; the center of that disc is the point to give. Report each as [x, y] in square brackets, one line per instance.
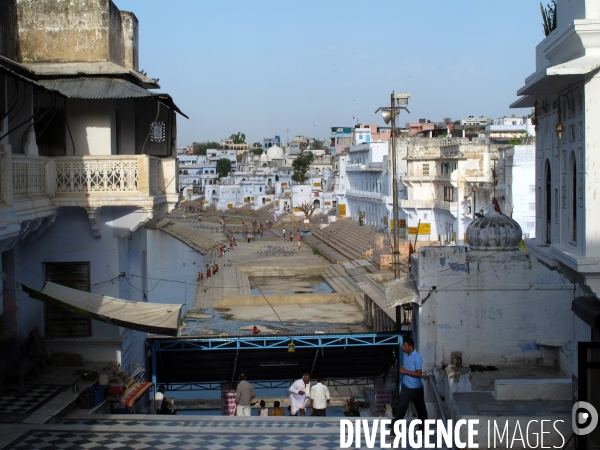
[368, 194]
[82, 174]
[29, 175]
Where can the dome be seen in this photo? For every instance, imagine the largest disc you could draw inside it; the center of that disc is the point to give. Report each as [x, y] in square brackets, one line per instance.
[275, 152]
[494, 231]
[263, 157]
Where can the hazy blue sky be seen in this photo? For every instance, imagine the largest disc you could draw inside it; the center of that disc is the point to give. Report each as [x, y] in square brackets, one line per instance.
[266, 67]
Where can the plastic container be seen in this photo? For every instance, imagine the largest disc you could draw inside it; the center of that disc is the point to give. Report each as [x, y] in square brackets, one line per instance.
[97, 393]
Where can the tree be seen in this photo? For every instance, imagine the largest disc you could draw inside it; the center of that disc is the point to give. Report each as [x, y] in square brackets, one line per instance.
[307, 208]
[223, 167]
[301, 165]
[201, 147]
[257, 151]
[549, 17]
[239, 138]
[317, 145]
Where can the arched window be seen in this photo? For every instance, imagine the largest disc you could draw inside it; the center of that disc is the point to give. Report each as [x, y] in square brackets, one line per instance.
[547, 220]
[572, 199]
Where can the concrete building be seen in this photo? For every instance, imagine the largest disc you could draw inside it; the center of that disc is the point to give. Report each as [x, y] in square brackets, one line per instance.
[563, 92]
[94, 165]
[515, 187]
[340, 139]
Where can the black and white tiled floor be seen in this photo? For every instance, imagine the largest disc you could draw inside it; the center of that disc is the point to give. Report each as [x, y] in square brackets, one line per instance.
[55, 439]
[28, 401]
[174, 433]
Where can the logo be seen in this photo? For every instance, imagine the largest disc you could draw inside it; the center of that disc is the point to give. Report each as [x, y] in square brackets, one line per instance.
[584, 418]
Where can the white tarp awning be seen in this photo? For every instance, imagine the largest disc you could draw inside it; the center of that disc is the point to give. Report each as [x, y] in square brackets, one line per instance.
[157, 318]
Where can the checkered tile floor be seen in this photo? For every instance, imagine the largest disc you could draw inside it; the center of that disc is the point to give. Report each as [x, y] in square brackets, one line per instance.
[55, 439]
[187, 423]
[28, 401]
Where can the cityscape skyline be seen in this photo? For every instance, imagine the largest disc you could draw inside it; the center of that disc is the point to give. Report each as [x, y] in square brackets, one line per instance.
[298, 68]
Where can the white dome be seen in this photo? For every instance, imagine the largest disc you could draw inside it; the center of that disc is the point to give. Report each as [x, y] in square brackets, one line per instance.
[275, 152]
[264, 157]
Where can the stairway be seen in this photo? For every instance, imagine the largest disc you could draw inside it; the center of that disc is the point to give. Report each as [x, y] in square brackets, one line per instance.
[192, 237]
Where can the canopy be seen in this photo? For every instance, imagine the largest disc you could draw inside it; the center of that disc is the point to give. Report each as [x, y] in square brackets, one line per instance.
[155, 318]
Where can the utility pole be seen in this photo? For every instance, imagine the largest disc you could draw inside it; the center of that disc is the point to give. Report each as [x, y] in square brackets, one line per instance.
[396, 252]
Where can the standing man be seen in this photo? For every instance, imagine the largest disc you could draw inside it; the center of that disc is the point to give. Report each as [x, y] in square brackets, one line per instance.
[158, 399]
[412, 383]
[300, 391]
[319, 398]
[283, 232]
[298, 239]
[244, 394]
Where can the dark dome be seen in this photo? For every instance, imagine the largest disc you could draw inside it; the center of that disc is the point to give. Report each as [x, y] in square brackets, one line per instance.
[494, 231]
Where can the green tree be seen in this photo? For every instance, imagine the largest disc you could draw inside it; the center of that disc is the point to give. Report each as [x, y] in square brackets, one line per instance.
[223, 167]
[201, 147]
[317, 145]
[239, 138]
[257, 151]
[301, 165]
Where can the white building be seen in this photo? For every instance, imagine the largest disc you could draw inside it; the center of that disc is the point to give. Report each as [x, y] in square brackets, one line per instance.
[516, 186]
[81, 181]
[564, 91]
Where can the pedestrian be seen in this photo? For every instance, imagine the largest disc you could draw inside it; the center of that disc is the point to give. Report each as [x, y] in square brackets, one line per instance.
[263, 411]
[255, 330]
[412, 383]
[299, 392]
[291, 237]
[228, 259]
[319, 398]
[158, 399]
[298, 240]
[208, 273]
[276, 411]
[283, 232]
[234, 240]
[351, 408]
[200, 276]
[244, 394]
[249, 237]
[216, 268]
[231, 244]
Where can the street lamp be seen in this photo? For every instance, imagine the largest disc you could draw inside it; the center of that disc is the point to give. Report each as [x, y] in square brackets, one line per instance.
[398, 101]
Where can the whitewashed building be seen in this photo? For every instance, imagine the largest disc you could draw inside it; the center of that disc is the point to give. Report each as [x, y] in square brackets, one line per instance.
[564, 91]
[93, 166]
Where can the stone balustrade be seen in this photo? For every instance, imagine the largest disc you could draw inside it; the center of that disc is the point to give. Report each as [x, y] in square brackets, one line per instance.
[31, 187]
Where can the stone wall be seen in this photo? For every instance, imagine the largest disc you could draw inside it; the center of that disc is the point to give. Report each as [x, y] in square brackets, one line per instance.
[76, 31]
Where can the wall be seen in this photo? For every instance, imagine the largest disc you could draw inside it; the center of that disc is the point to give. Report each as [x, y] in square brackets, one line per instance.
[130, 40]
[64, 31]
[498, 308]
[71, 239]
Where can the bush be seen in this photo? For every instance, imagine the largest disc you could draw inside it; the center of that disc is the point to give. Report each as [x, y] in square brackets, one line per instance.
[316, 251]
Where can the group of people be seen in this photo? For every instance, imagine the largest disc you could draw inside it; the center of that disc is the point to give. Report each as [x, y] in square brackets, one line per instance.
[303, 396]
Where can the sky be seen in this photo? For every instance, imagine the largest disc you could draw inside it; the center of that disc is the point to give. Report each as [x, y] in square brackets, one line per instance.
[299, 67]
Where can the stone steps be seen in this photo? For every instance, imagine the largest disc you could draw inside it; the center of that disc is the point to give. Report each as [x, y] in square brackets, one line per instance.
[191, 237]
[348, 238]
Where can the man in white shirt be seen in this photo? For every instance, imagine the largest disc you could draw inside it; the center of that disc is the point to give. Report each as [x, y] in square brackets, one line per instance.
[158, 399]
[300, 391]
[319, 398]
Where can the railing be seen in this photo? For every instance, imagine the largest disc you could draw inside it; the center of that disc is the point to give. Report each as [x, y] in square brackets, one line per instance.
[357, 193]
[29, 176]
[75, 175]
[429, 204]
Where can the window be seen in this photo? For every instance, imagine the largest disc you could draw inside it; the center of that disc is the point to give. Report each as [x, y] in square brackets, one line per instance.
[60, 322]
[425, 169]
[573, 197]
[448, 194]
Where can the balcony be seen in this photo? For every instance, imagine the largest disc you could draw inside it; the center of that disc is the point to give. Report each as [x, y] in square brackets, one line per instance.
[97, 181]
[368, 167]
[365, 194]
[32, 187]
[429, 204]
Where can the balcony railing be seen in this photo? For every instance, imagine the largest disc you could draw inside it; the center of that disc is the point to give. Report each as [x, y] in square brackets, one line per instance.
[429, 204]
[368, 194]
[99, 179]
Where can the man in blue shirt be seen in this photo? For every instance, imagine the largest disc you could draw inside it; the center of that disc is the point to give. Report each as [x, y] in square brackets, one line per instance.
[412, 384]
